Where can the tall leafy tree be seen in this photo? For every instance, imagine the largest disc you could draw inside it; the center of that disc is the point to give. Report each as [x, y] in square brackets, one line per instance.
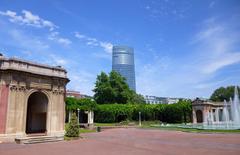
[223, 93]
[137, 99]
[113, 88]
[103, 90]
[121, 91]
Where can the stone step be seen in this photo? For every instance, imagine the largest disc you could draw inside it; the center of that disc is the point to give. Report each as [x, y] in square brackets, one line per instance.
[38, 139]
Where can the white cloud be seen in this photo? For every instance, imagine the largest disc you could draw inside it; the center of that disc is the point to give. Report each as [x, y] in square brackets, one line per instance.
[107, 46]
[55, 37]
[92, 39]
[79, 36]
[216, 46]
[56, 60]
[23, 40]
[217, 42]
[82, 81]
[31, 46]
[220, 62]
[157, 9]
[209, 32]
[208, 85]
[27, 18]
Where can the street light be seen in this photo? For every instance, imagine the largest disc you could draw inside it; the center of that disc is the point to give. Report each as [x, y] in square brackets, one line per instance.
[139, 115]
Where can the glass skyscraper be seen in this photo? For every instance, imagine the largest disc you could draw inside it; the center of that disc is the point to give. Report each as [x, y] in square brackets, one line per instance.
[123, 63]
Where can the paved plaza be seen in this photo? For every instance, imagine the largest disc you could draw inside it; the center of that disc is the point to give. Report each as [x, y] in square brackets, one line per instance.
[134, 141]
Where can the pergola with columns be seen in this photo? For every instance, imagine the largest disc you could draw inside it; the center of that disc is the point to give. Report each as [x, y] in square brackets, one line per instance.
[202, 109]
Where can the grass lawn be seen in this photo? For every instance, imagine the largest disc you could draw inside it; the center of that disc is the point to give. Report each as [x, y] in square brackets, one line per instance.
[175, 127]
[86, 130]
[156, 125]
[124, 123]
[105, 124]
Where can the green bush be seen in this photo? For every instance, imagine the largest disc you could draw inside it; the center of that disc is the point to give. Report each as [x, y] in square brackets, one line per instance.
[72, 129]
[109, 113]
[82, 104]
[173, 113]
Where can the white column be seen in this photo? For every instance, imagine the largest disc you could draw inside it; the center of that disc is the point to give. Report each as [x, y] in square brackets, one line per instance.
[69, 115]
[205, 116]
[78, 110]
[90, 117]
[217, 114]
[194, 117]
[211, 114]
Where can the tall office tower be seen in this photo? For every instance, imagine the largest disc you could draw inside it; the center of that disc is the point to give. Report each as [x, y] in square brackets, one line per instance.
[123, 63]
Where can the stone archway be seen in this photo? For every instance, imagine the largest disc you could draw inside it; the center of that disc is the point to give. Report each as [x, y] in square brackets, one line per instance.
[37, 113]
[199, 115]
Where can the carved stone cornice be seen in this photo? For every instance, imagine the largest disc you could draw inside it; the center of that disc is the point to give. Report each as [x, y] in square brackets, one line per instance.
[18, 88]
[22, 88]
[13, 87]
[32, 67]
[57, 91]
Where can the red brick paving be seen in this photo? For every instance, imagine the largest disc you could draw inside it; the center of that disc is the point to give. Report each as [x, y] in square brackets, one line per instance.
[134, 141]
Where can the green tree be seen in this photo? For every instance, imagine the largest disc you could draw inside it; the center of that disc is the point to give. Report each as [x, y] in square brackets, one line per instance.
[112, 89]
[103, 90]
[137, 99]
[72, 129]
[186, 109]
[223, 93]
[120, 88]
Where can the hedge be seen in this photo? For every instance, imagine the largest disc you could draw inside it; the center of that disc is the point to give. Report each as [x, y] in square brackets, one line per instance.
[173, 113]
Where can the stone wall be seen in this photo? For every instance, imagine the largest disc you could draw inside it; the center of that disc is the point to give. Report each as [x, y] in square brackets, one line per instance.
[16, 85]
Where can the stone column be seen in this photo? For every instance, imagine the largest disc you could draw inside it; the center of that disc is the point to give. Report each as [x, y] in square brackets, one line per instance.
[4, 92]
[90, 119]
[217, 114]
[205, 115]
[212, 116]
[69, 115]
[194, 116]
[11, 124]
[20, 111]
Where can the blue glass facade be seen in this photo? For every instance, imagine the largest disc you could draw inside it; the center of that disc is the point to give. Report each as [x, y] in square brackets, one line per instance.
[123, 63]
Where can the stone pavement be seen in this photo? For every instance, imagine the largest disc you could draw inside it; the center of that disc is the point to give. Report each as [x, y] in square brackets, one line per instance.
[134, 141]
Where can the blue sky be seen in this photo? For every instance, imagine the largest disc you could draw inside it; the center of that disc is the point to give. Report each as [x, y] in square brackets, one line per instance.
[183, 48]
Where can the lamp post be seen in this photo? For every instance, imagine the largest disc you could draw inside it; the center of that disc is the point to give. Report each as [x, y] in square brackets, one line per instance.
[140, 121]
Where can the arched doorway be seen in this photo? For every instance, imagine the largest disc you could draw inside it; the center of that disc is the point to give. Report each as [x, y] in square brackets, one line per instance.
[199, 116]
[36, 113]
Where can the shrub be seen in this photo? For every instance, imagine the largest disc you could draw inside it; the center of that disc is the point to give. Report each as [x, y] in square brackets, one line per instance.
[173, 113]
[72, 129]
